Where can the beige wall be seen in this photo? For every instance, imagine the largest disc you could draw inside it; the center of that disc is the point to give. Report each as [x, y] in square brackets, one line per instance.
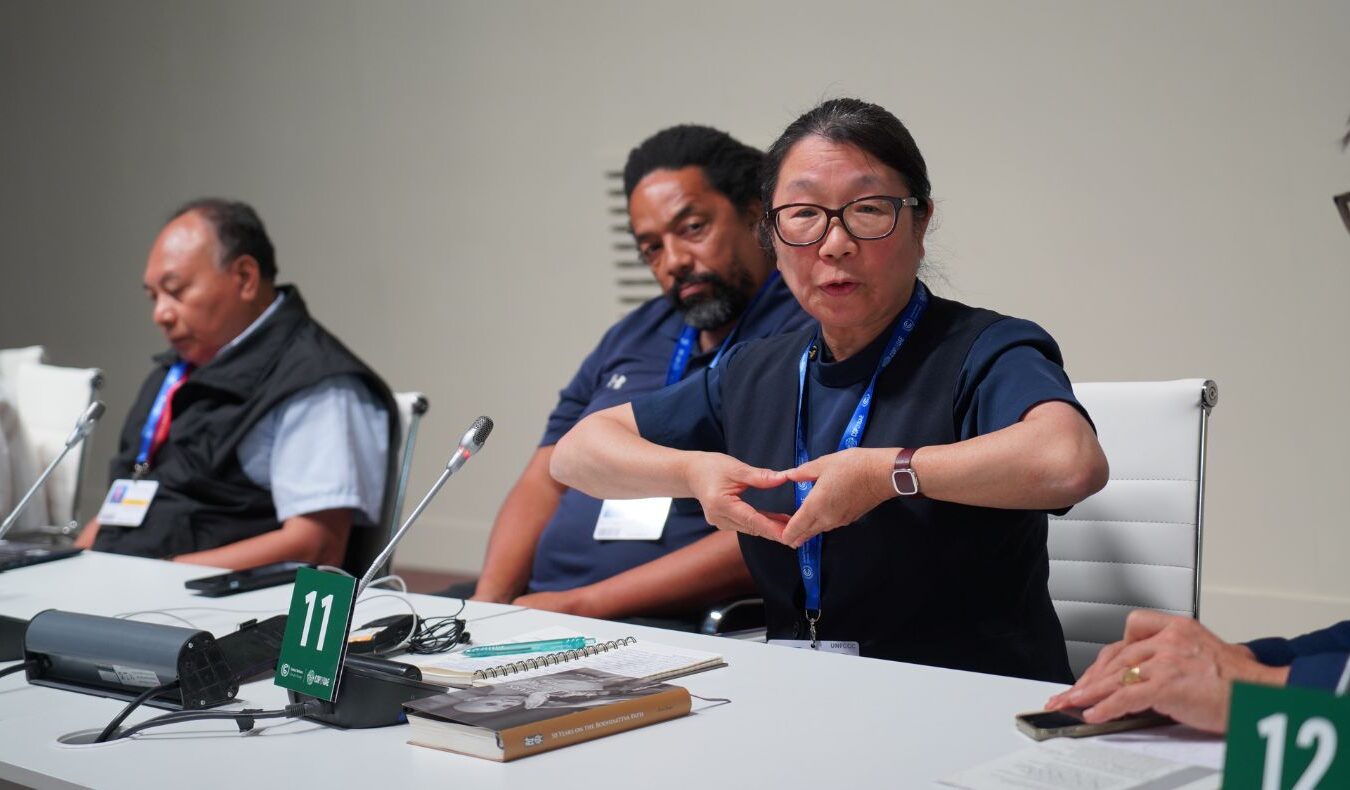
[1150, 181]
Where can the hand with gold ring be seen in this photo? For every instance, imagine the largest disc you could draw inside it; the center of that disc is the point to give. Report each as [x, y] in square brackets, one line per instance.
[1168, 663]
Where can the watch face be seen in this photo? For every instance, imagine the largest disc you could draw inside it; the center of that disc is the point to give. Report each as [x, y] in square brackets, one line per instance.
[905, 481]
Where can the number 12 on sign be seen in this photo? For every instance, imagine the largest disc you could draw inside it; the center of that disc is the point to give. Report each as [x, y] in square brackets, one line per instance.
[311, 660]
[1316, 730]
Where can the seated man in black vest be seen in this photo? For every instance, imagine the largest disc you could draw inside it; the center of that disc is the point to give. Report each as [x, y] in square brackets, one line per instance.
[258, 437]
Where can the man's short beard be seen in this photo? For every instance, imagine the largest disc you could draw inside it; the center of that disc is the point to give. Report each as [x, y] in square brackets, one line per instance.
[723, 303]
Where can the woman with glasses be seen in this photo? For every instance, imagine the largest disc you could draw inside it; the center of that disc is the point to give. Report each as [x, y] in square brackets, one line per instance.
[890, 469]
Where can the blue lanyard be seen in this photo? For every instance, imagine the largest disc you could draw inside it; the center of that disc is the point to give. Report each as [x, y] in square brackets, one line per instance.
[176, 372]
[684, 347]
[808, 555]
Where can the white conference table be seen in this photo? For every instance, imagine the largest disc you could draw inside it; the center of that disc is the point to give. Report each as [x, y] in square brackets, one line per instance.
[796, 718]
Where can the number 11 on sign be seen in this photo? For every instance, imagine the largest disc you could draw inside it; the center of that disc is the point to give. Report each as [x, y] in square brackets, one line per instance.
[327, 605]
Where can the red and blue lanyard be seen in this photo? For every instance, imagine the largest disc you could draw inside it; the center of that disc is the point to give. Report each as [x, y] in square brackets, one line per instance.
[808, 555]
[684, 347]
[154, 433]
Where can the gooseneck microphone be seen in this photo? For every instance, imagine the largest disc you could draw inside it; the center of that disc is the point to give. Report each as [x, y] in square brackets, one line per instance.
[470, 444]
[82, 428]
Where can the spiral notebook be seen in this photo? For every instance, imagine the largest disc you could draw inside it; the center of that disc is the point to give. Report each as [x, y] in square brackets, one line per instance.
[626, 656]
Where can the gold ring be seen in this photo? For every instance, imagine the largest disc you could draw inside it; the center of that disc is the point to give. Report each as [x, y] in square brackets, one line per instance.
[1132, 675]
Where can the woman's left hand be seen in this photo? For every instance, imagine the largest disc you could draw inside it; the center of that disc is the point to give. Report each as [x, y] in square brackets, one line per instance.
[848, 484]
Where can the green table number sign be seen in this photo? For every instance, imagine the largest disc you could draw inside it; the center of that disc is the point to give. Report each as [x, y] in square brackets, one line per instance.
[1287, 739]
[316, 633]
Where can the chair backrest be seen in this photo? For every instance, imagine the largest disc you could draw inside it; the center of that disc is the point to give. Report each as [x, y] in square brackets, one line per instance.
[411, 407]
[366, 544]
[1137, 542]
[12, 358]
[49, 399]
[17, 460]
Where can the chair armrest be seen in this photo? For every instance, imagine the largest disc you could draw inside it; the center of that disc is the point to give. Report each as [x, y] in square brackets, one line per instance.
[739, 614]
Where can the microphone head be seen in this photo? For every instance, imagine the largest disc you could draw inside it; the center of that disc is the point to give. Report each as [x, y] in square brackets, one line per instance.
[94, 411]
[86, 422]
[477, 434]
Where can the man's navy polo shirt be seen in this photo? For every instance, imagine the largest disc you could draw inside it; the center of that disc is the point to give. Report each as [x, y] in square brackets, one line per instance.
[632, 359]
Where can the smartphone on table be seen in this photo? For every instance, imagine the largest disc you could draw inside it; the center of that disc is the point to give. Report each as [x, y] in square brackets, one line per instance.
[248, 579]
[1068, 723]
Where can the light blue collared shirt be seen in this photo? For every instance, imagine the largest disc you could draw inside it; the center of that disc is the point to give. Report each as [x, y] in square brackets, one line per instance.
[320, 449]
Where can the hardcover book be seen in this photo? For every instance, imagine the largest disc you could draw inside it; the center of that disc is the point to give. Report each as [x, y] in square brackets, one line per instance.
[523, 717]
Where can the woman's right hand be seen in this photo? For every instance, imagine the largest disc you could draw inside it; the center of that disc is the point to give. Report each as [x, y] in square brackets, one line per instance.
[717, 482]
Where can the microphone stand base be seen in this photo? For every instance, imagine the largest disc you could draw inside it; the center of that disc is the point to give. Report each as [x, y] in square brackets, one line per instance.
[371, 695]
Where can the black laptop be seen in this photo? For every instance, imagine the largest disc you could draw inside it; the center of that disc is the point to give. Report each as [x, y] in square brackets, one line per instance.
[16, 554]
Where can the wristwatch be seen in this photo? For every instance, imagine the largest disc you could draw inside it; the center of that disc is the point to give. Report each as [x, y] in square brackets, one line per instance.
[903, 478]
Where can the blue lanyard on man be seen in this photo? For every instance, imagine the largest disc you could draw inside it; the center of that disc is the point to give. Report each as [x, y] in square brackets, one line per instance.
[808, 555]
[684, 347]
[172, 379]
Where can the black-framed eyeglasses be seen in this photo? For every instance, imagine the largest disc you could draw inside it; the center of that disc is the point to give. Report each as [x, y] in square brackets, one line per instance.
[1343, 205]
[866, 218]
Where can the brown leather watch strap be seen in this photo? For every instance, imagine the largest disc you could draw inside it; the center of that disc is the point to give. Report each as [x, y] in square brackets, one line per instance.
[903, 478]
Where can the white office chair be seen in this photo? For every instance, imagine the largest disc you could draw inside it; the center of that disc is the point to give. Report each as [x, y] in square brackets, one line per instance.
[49, 399]
[365, 545]
[1137, 542]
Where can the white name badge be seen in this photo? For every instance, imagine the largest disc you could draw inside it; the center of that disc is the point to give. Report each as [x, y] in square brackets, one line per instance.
[632, 519]
[824, 645]
[127, 502]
